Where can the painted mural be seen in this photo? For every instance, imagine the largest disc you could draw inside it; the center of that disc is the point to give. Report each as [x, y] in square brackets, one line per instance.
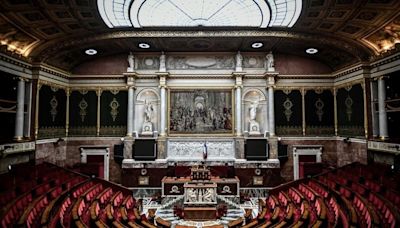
[200, 112]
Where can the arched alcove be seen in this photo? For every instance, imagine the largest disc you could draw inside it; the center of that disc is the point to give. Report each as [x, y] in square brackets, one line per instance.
[254, 103]
[147, 99]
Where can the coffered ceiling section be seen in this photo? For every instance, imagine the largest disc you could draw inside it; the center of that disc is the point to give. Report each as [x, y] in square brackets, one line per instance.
[374, 23]
[183, 13]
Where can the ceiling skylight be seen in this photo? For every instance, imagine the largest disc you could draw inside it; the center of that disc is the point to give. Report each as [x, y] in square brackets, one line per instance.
[207, 13]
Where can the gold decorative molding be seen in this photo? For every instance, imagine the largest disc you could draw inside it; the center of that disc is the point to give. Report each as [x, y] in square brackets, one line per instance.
[68, 93]
[335, 110]
[303, 110]
[54, 86]
[349, 85]
[98, 93]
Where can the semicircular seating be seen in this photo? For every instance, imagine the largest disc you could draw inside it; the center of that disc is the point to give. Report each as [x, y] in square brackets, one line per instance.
[52, 196]
[350, 196]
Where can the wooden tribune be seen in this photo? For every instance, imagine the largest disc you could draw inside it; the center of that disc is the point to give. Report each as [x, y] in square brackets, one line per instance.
[200, 213]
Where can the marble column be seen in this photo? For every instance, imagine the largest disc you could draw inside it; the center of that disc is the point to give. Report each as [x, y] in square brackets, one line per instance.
[19, 119]
[131, 100]
[271, 111]
[238, 108]
[163, 124]
[383, 130]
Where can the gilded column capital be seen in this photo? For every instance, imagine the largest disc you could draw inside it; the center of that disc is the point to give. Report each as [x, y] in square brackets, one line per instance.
[68, 91]
[303, 91]
[99, 91]
[334, 91]
[39, 85]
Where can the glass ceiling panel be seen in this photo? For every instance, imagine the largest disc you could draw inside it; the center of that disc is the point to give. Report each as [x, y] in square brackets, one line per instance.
[191, 13]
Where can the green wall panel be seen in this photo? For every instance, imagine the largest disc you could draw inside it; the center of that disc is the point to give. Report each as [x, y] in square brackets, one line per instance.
[113, 115]
[319, 112]
[350, 108]
[83, 113]
[288, 117]
[52, 111]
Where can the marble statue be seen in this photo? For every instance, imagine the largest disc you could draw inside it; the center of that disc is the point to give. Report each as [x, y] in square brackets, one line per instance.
[147, 128]
[131, 62]
[253, 110]
[208, 195]
[148, 111]
[269, 62]
[191, 195]
[254, 126]
[162, 63]
[239, 60]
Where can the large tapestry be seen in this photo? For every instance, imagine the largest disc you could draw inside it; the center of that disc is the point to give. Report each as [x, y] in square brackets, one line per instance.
[200, 112]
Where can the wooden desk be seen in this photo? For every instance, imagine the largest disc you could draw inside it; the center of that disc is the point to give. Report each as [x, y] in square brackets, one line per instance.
[173, 186]
[200, 213]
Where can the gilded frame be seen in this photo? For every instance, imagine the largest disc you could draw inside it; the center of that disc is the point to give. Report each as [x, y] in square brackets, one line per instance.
[207, 89]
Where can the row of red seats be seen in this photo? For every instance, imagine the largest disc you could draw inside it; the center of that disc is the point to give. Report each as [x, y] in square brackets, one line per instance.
[365, 196]
[26, 208]
[61, 198]
[333, 199]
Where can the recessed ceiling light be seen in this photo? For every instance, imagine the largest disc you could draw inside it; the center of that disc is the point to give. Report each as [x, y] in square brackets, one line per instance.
[257, 45]
[91, 51]
[311, 51]
[144, 45]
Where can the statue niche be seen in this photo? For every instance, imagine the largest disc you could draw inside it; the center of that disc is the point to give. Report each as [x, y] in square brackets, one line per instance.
[147, 111]
[255, 104]
[147, 128]
[254, 126]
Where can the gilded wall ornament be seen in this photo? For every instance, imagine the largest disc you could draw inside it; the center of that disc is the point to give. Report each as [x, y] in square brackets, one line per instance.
[83, 91]
[287, 91]
[319, 91]
[319, 105]
[114, 91]
[288, 104]
[83, 106]
[114, 105]
[54, 89]
[349, 103]
[53, 105]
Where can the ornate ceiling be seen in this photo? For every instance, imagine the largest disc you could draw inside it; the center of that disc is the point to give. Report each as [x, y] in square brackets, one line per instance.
[58, 31]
